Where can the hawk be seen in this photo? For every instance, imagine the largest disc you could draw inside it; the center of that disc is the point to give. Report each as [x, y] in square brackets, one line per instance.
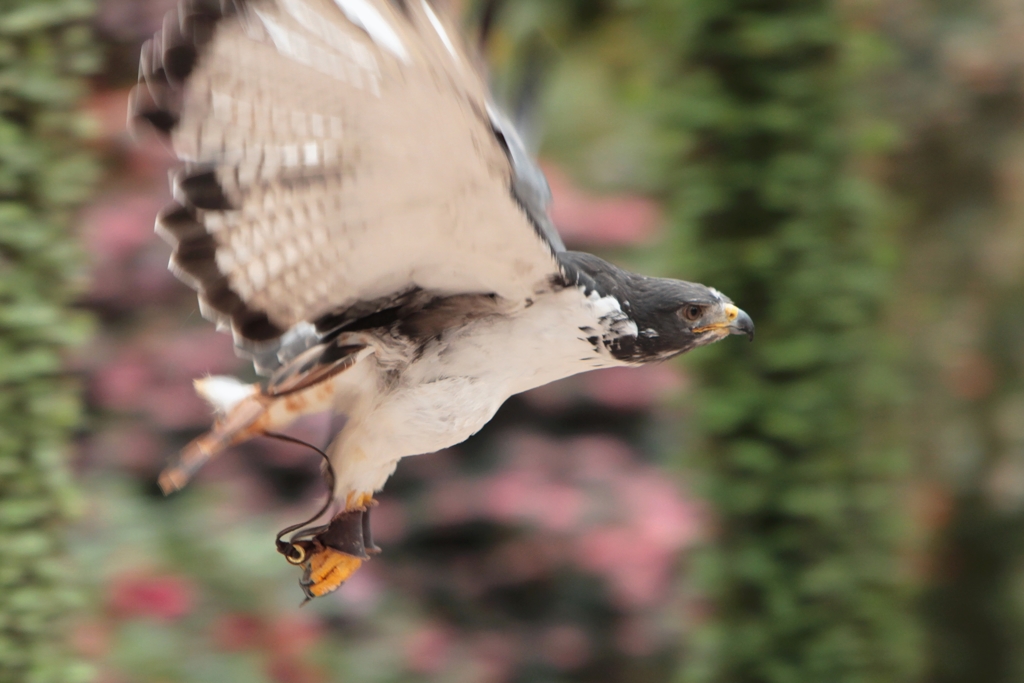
[372, 230]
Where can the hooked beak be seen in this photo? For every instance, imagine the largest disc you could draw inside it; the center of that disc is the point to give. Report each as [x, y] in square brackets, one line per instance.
[739, 321]
[736, 321]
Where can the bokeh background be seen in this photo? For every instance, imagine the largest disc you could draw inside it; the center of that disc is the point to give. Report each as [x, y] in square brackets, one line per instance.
[841, 501]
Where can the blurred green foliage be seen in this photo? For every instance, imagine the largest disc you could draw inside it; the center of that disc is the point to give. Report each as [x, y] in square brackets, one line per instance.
[961, 96]
[45, 172]
[798, 452]
[755, 122]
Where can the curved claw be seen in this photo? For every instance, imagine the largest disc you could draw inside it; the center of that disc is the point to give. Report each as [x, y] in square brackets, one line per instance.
[334, 552]
[368, 545]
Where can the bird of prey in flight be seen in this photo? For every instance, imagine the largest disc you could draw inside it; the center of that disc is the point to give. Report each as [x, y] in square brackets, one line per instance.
[372, 230]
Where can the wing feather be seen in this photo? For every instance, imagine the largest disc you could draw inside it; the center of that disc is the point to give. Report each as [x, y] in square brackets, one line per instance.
[332, 162]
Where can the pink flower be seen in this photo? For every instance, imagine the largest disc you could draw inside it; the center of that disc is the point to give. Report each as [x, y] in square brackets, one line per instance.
[148, 158]
[235, 632]
[314, 429]
[452, 501]
[659, 514]
[121, 383]
[507, 494]
[132, 20]
[118, 227]
[362, 592]
[132, 447]
[90, 638]
[195, 352]
[496, 653]
[634, 388]
[612, 220]
[426, 650]
[175, 405]
[107, 108]
[164, 597]
[291, 670]
[637, 570]
[556, 507]
[149, 280]
[534, 452]
[599, 457]
[565, 646]
[602, 548]
[388, 521]
[642, 581]
[518, 561]
[292, 635]
[553, 397]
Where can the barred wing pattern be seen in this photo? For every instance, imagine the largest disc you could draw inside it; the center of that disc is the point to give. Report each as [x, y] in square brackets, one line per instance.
[337, 153]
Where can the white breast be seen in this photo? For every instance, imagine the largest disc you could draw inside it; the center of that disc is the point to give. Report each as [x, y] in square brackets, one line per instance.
[459, 382]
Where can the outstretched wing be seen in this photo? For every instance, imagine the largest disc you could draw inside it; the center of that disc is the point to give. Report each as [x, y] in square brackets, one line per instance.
[338, 154]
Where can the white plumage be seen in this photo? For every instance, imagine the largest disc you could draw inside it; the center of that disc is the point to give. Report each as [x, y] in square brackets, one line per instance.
[459, 382]
[377, 237]
[224, 393]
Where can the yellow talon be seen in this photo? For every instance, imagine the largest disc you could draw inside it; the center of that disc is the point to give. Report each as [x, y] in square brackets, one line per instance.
[327, 570]
[329, 555]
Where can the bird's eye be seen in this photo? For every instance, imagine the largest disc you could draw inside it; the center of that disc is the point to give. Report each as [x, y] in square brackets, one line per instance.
[296, 554]
[692, 312]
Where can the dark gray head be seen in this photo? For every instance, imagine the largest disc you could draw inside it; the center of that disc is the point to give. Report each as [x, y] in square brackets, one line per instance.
[671, 316]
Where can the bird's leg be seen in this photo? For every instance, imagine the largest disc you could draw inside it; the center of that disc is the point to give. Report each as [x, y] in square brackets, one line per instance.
[334, 552]
[338, 552]
[258, 412]
[243, 422]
